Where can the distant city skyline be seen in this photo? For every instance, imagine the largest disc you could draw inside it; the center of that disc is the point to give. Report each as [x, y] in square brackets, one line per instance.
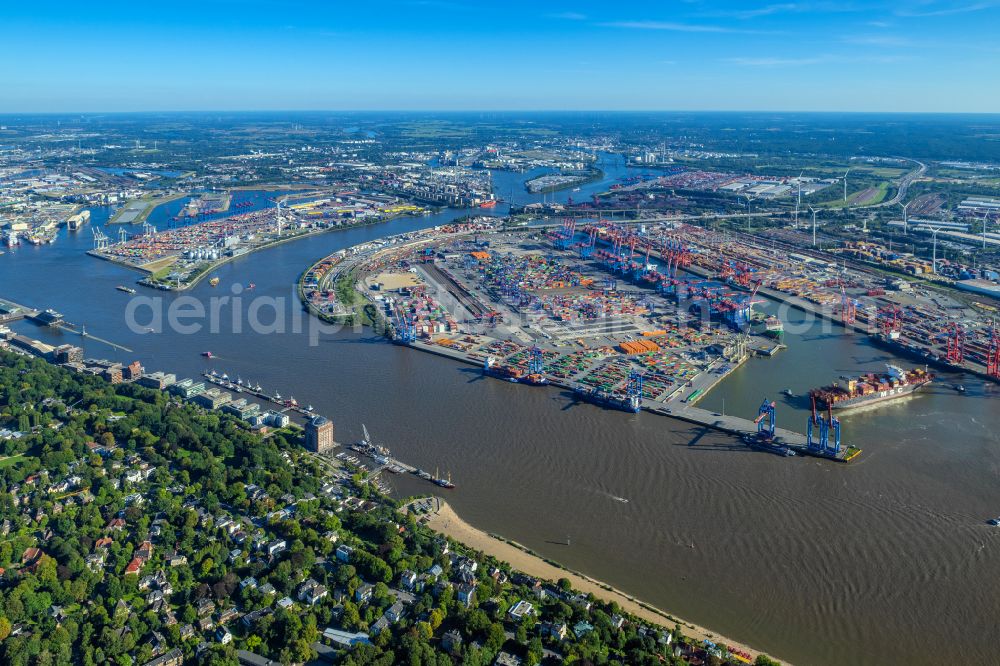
[813, 55]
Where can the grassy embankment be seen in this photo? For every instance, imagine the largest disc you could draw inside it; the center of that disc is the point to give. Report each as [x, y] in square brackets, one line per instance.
[151, 205]
[353, 300]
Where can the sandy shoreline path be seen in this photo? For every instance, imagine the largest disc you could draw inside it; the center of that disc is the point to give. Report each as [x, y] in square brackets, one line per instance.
[446, 521]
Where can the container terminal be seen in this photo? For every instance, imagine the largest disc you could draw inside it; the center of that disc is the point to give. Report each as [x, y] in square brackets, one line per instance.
[526, 309]
[650, 315]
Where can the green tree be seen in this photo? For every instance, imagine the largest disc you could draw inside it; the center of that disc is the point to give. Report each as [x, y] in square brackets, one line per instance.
[764, 660]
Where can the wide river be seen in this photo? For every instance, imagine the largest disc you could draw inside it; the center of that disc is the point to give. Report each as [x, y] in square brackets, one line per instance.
[885, 560]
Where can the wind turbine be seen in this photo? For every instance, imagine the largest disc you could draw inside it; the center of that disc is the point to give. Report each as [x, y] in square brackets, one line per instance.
[905, 219]
[814, 224]
[798, 200]
[845, 184]
[934, 232]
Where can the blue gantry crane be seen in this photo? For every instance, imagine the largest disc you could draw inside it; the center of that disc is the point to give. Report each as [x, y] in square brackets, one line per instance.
[406, 328]
[825, 425]
[766, 413]
[633, 390]
[536, 364]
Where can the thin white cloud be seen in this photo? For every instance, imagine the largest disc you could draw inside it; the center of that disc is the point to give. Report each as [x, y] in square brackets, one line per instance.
[802, 7]
[766, 10]
[773, 62]
[877, 40]
[930, 9]
[669, 26]
[767, 61]
[568, 16]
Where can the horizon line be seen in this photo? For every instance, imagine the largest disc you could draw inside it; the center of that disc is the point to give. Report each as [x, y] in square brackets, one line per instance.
[511, 110]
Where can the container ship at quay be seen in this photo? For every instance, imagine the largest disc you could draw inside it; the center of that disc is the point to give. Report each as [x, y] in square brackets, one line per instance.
[611, 400]
[770, 326]
[872, 388]
[513, 373]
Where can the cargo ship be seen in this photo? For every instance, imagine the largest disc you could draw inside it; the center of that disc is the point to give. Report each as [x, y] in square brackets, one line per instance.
[513, 374]
[768, 325]
[491, 203]
[535, 379]
[42, 238]
[872, 388]
[921, 352]
[74, 222]
[612, 400]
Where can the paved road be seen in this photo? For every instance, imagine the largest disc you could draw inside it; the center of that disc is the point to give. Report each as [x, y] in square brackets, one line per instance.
[904, 184]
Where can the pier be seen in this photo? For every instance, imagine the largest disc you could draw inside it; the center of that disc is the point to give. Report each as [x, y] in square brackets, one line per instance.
[289, 405]
[82, 332]
[733, 425]
[11, 311]
[740, 427]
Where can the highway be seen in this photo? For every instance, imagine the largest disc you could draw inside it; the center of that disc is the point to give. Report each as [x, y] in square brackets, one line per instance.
[904, 184]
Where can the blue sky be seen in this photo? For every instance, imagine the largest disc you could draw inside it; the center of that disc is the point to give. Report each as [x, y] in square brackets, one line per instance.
[908, 55]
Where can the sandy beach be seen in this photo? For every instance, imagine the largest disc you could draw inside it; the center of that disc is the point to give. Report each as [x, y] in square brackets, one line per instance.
[446, 521]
